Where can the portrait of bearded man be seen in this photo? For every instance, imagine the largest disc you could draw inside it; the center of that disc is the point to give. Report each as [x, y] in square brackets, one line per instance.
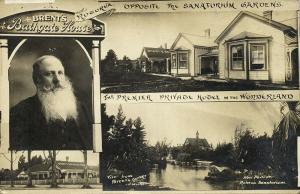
[53, 118]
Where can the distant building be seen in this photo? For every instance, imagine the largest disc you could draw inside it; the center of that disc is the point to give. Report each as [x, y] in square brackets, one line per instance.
[155, 60]
[65, 170]
[197, 143]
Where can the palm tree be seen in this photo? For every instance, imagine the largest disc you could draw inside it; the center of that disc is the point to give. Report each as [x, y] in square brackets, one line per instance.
[285, 141]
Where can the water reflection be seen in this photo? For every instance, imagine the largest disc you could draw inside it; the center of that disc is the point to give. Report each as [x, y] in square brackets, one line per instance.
[183, 178]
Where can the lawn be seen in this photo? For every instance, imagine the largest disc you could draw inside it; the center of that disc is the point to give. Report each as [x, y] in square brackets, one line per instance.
[144, 83]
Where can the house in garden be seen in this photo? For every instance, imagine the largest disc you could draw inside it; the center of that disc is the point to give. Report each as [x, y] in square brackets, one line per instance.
[65, 169]
[254, 47]
[251, 47]
[155, 60]
[193, 55]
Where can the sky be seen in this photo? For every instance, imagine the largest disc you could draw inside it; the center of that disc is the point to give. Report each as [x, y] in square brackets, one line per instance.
[128, 33]
[214, 121]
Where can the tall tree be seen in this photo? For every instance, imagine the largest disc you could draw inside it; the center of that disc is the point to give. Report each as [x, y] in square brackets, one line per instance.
[29, 165]
[110, 61]
[86, 184]
[22, 163]
[106, 156]
[52, 156]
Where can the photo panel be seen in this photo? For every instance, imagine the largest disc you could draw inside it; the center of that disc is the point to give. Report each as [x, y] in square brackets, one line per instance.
[200, 146]
[50, 101]
[195, 51]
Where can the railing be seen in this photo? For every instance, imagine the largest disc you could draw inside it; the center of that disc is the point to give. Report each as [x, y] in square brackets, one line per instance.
[48, 181]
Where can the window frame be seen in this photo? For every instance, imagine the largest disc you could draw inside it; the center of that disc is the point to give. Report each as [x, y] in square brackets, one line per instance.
[264, 45]
[231, 57]
[180, 54]
[174, 60]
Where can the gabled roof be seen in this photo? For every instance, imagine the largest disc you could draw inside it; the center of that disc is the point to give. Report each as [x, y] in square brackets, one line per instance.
[195, 141]
[156, 53]
[284, 28]
[247, 35]
[195, 40]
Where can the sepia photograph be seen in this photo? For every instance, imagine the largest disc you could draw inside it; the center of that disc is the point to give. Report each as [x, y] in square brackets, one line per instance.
[216, 146]
[49, 169]
[196, 96]
[200, 51]
[50, 102]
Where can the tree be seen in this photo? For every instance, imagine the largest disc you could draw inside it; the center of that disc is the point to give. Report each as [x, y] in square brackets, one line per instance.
[52, 156]
[285, 142]
[224, 154]
[162, 148]
[106, 157]
[29, 165]
[11, 161]
[22, 163]
[124, 144]
[127, 63]
[175, 151]
[109, 62]
[85, 171]
[138, 133]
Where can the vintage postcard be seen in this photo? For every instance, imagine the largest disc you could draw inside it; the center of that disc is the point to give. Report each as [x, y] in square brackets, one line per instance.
[149, 95]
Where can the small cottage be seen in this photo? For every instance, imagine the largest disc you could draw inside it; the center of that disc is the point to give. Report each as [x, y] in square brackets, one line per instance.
[155, 60]
[65, 169]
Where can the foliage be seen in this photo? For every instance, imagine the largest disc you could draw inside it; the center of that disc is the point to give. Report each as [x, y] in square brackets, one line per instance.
[174, 151]
[124, 144]
[224, 154]
[285, 142]
[35, 160]
[255, 151]
[162, 148]
[110, 61]
[125, 65]
[21, 162]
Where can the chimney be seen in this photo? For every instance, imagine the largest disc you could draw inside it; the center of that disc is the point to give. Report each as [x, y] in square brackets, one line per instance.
[166, 46]
[67, 158]
[197, 135]
[207, 32]
[268, 15]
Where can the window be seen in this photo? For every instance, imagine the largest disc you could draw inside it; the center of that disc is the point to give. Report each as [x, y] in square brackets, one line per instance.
[183, 60]
[257, 61]
[173, 60]
[237, 57]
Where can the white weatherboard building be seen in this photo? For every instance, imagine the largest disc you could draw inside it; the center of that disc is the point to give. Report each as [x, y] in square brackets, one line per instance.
[254, 47]
[251, 47]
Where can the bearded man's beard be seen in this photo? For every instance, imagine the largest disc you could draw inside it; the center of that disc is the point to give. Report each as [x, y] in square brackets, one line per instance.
[59, 102]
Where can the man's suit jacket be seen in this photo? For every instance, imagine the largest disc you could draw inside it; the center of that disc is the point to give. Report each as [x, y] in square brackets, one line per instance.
[29, 129]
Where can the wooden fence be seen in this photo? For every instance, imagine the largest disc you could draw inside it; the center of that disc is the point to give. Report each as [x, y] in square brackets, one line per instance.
[48, 181]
